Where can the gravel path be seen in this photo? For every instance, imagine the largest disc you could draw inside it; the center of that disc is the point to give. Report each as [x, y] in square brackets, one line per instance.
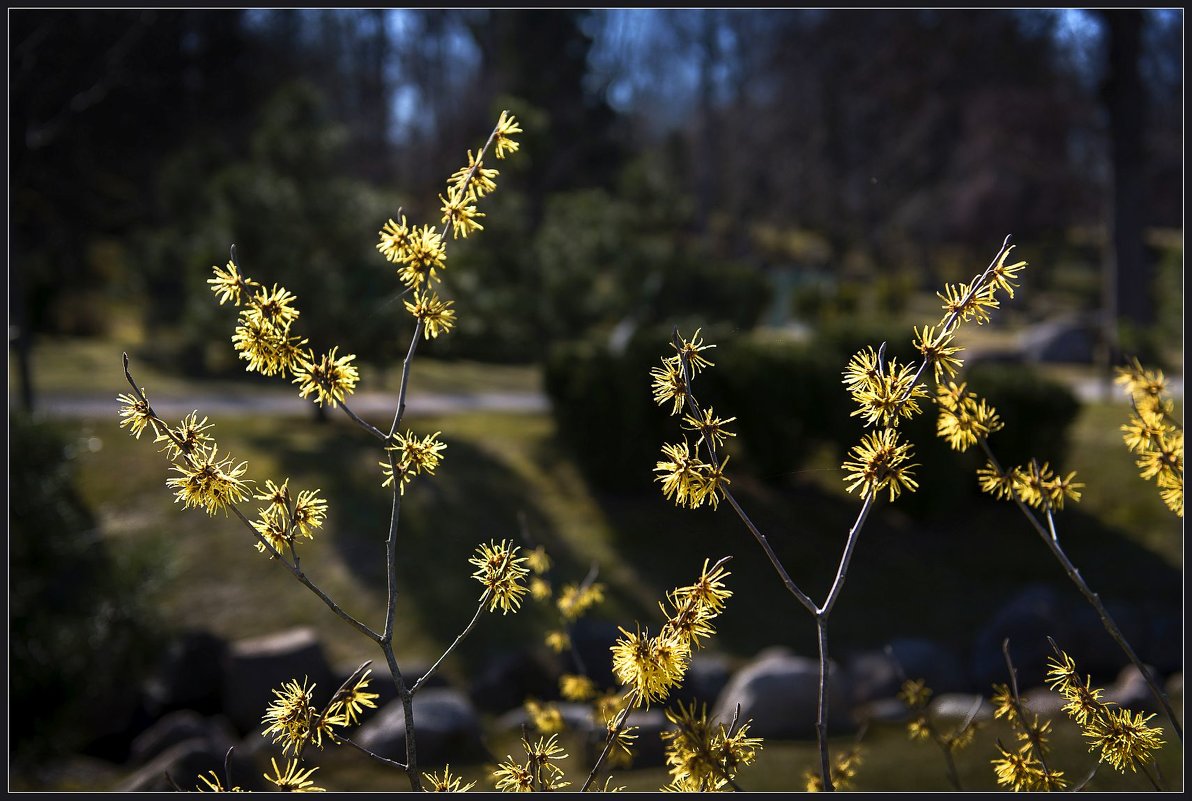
[61, 405]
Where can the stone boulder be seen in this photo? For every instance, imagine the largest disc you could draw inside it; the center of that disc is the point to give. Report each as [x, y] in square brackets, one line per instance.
[875, 674]
[254, 668]
[179, 727]
[184, 762]
[446, 726]
[780, 693]
[189, 675]
[509, 678]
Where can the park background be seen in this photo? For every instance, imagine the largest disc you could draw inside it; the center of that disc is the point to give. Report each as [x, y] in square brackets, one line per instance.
[797, 183]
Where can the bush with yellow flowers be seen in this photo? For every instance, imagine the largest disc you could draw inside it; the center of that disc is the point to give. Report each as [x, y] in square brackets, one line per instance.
[692, 472]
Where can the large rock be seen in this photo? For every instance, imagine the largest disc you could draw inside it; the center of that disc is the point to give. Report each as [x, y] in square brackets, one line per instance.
[446, 728]
[179, 727]
[707, 676]
[189, 675]
[254, 668]
[780, 693]
[184, 763]
[1040, 611]
[877, 674]
[509, 678]
[1070, 341]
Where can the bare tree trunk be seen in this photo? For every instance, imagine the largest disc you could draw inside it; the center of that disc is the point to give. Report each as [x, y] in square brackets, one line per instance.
[1128, 275]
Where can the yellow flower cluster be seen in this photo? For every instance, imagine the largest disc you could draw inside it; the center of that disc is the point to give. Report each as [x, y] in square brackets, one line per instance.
[1153, 434]
[206, 480]
[294, 778]
[1123, 737]
[209, 482]
[964, 419]
[446, 783]
[420, 252]
[1024, 767]
[1034, 484]
[295, 722]
[501, 571]
[284, 517]
[538, 773]
[574, 599]
[915, 694]
[414, 457]
[544, 716]
[650, 667]
[844, 770]
[887, 392]
[880, 462]
[702, 757]
[262, 336]
[263, 339]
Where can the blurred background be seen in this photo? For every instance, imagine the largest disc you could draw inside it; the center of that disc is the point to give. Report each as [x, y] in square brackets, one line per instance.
[798, 184]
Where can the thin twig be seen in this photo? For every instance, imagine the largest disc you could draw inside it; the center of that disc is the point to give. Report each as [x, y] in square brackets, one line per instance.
[613, 732]
[1051, 540]
[430, 672]
[367, 426]
[378, 757]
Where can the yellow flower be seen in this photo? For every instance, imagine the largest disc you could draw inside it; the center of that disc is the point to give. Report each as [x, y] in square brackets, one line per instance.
[889, 397]
[574, 600]
[501, 571]
[474, 177]
[349, 702]
[649, 666]
[447, 783]
[576, 688]
[293, 779]
[966, 420]
[538, 560]
[964, 302]
[209, 482]
[687, 479]
[880, 462]
[187, 438]
[330, 379]
[395, 239]
[1125, 739]
[669, 384]
[708, 590]
[1019, 770]
[269, 350]
[506, 127]
[1002, 273]
[862, 369]
[418, 251]
[274, 308]
[512, 777]
[539, 587]
[998, 484]
[937, 348]
[309, 511]
[215, 785]
[459, 209]
[229, 284]
[136, 414]
[691, 351]
[710, 426]
[415, 457]
[436, 315]
[271, 525]
[291, 716]
[546, 717]
[558, 641]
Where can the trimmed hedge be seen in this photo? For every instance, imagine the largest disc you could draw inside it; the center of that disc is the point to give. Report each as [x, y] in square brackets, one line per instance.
[789, 401]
